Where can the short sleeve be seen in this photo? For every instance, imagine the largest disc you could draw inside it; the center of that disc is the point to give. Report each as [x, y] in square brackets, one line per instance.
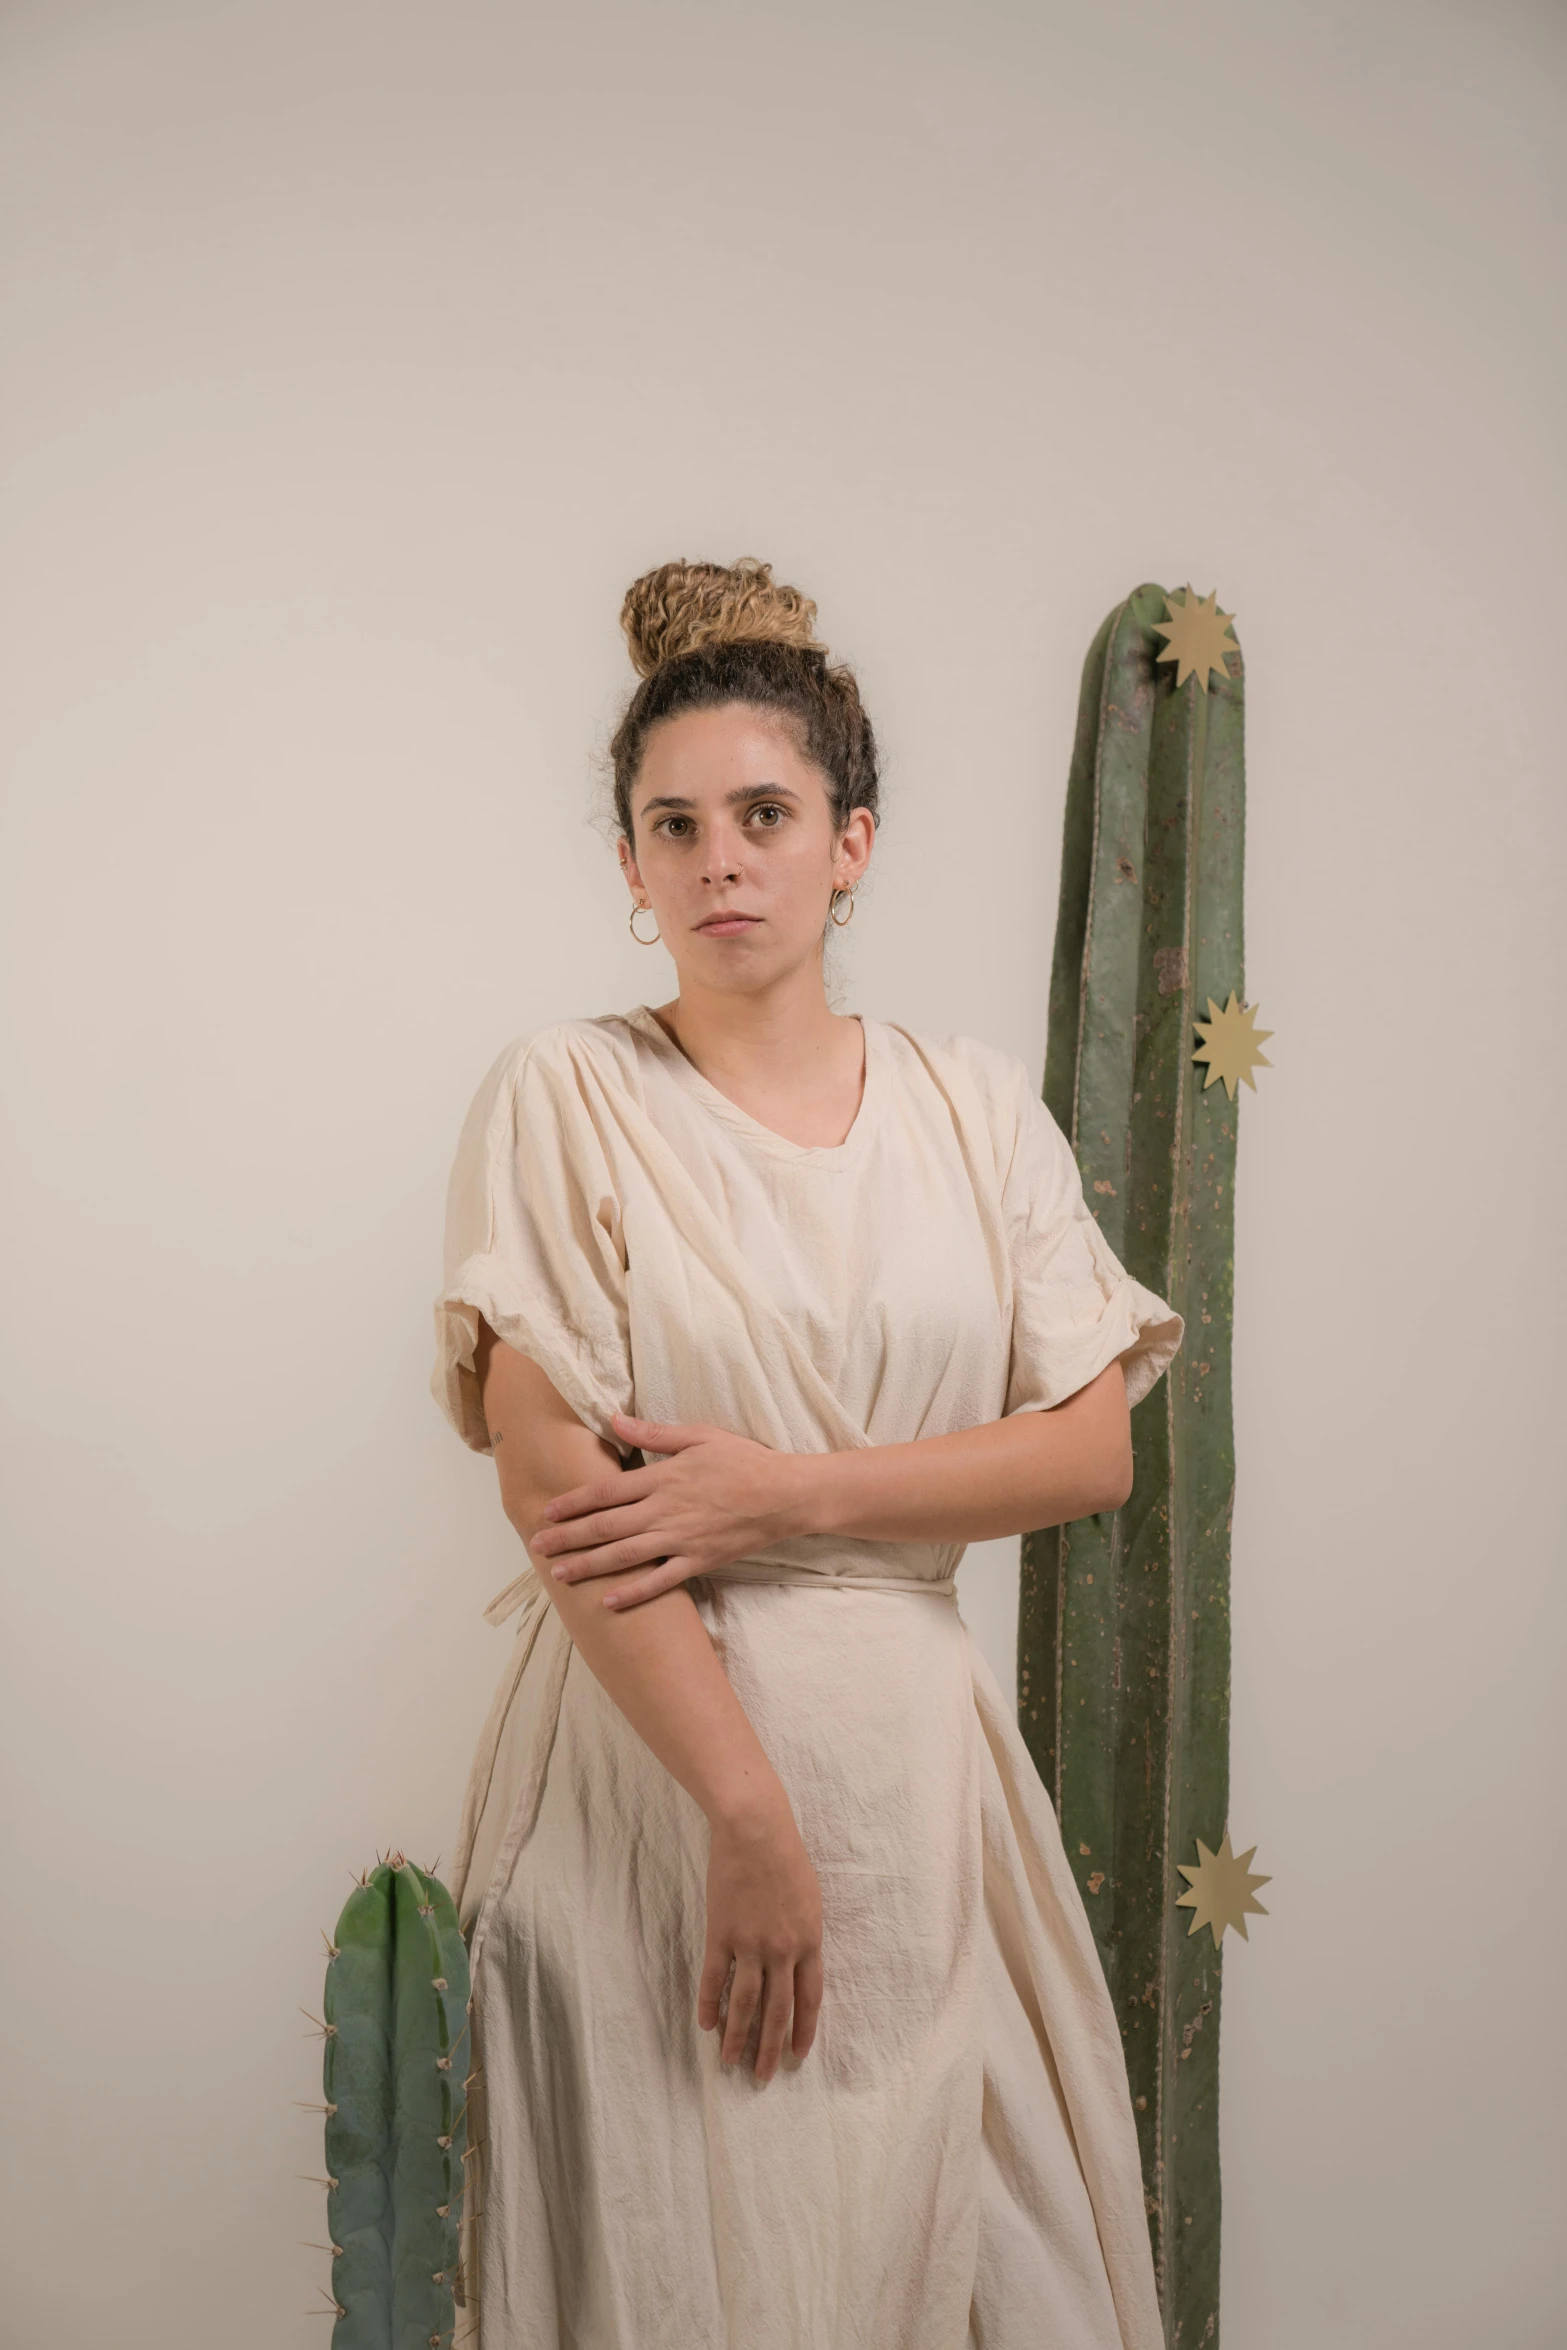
[535, 1243]
[1075, 1307]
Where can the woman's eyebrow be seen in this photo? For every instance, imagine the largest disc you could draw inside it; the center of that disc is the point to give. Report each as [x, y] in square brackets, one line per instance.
[744, 791]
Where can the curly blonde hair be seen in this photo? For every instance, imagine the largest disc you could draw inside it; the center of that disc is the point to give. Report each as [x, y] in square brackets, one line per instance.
[705, 635]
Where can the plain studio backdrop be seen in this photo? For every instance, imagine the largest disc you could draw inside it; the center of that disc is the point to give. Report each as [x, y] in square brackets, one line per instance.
[356, 359]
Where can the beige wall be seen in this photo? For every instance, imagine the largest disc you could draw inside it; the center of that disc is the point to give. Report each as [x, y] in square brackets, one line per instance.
[356, 358]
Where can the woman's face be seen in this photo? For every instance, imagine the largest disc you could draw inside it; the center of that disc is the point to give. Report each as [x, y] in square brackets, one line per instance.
[730, 819]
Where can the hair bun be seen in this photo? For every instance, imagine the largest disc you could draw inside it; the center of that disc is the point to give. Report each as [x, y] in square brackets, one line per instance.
[680, 606]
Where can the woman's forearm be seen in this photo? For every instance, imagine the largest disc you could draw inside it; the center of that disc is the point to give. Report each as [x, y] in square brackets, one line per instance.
[658, 1664]
[1005, 1477]
[655, 1661]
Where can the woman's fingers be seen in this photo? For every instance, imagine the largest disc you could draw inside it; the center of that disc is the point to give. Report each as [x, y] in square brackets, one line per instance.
[658, 1434]
[605, 1493]
[807, 2002]
[710, 1991]
[762, 1998]
[778, 1998]
[668, 1576]
[562, 1539]
[632, 1550]
[744, 1993]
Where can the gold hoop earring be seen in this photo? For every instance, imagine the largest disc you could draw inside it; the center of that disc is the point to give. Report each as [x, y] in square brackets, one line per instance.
[632, 927]
[832, 902]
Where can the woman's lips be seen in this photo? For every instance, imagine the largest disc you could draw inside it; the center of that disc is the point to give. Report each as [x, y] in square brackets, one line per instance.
[726, 925]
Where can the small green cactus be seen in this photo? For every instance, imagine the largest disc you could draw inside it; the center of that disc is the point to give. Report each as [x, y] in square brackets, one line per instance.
[394, 2076]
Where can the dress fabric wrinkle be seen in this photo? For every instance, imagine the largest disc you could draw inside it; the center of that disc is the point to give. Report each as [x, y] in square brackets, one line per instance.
[954, 2165]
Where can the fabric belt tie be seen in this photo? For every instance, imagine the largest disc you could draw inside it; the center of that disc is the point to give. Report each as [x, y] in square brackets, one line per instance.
[522, 1587]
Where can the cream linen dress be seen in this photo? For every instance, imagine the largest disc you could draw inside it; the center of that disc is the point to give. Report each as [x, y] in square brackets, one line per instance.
[955, 2162]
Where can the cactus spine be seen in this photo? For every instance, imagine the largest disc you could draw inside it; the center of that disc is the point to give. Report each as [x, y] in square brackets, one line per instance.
[394, 2074]
[1123, 1650]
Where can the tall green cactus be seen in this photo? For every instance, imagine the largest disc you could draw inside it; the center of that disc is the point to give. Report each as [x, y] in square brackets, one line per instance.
[1124, 1629]
[394, 2075]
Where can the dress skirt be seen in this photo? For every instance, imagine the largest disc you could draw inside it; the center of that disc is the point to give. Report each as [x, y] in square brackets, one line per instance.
[917, 2181]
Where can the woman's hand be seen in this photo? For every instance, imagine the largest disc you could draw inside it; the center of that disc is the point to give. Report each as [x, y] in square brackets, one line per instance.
[717, 1498]
[764, 1913]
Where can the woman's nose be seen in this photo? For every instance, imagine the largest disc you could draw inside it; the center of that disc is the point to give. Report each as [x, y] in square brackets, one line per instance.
[722, 862]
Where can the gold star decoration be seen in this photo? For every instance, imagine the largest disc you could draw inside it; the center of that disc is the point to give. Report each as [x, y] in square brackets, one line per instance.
[1220, 1890]
[1232, 1044]
[1198, 636]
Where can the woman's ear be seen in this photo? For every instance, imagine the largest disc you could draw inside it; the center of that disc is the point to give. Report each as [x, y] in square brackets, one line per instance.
[853, 847]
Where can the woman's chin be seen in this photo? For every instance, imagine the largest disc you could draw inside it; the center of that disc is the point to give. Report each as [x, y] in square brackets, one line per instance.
[743, 962]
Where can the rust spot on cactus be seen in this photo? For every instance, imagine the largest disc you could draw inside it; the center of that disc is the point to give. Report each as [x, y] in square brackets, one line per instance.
[1170, 967]
[1096, 1880]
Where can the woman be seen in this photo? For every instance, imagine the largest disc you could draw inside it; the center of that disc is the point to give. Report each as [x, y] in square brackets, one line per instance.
[789, 2028]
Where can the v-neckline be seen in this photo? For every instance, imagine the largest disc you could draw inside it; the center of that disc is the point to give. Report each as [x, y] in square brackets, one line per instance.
[823, 1154]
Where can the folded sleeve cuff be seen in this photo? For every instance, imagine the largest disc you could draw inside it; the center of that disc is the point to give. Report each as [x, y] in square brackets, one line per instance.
[1135, 1327]
[590, 1377]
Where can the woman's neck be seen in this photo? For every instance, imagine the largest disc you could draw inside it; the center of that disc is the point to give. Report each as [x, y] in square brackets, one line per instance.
[796, 1067]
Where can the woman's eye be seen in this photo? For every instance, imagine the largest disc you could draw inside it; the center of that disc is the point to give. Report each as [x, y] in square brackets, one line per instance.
[764, 808]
